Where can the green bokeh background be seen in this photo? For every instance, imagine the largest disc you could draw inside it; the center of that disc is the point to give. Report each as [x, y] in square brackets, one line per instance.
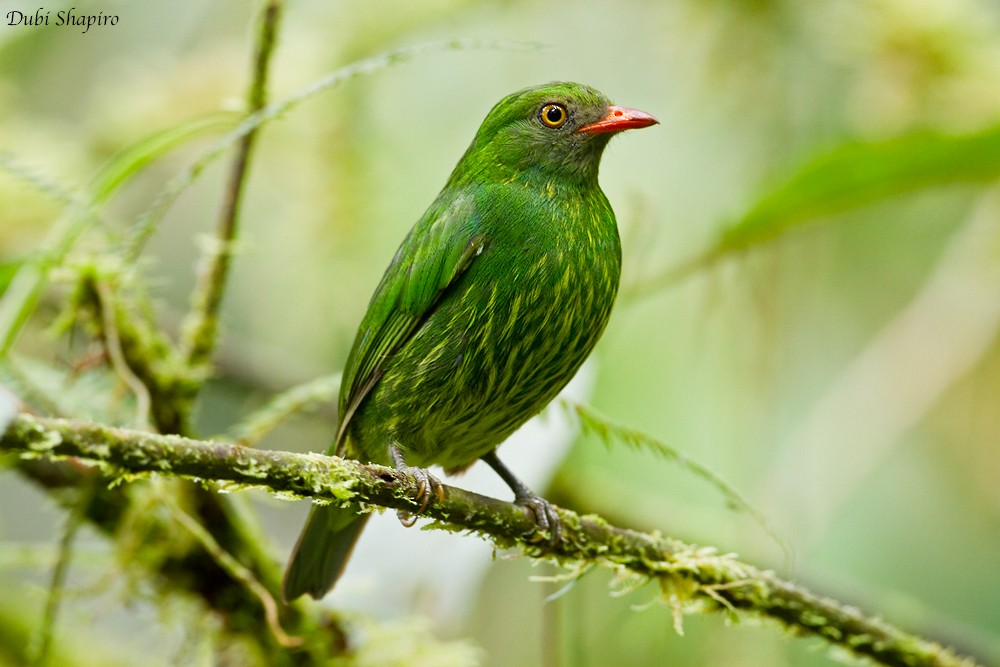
[828, 372]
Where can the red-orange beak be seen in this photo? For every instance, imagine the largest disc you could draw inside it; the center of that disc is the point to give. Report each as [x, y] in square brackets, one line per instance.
[618, 119]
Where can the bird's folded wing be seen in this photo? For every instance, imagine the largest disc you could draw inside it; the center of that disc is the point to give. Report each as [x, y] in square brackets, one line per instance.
[439, 249]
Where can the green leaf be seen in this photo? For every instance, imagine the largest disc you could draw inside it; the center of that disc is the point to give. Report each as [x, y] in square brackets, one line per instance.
[7, 270]
[848, 176]
[855, 174]
[610, 432]
[133, 159]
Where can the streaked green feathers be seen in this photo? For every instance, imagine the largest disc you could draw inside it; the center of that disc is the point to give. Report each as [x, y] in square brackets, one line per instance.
[489, 307]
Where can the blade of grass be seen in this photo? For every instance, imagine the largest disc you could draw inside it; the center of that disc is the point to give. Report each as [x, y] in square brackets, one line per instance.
[123, 166]
[8, 269]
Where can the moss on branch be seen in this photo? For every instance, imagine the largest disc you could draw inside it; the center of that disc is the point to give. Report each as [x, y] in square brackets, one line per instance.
[690, 573]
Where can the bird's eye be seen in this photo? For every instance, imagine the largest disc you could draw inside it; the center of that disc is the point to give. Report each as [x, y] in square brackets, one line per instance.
[553, 115]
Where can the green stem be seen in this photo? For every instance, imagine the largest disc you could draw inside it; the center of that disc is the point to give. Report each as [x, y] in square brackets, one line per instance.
[202, 323]
[41, 643]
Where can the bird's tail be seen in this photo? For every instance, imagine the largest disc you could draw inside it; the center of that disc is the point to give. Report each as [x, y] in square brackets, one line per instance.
[322, 551]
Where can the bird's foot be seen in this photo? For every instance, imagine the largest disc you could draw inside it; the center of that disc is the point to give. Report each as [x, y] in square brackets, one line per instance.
[546, 518]
[428, 486]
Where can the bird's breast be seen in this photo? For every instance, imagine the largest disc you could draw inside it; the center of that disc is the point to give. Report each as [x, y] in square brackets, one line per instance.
[507, 336]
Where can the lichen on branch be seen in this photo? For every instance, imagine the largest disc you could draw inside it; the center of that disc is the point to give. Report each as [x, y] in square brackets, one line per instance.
[686, 573]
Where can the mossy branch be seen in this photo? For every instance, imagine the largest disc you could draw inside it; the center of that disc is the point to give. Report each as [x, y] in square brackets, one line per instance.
[695, 574]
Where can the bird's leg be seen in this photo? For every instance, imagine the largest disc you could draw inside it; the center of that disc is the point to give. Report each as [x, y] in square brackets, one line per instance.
[427, 485]
[545, 514]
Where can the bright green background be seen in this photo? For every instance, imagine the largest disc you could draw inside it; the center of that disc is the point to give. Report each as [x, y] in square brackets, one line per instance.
[837, 361]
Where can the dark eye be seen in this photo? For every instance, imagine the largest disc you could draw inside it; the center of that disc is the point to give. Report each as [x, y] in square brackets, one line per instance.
[553, 115]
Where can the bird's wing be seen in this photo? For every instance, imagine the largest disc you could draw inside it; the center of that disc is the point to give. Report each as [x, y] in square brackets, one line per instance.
[439, 248]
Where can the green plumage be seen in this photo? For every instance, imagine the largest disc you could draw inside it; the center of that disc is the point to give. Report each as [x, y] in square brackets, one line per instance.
[489, 307]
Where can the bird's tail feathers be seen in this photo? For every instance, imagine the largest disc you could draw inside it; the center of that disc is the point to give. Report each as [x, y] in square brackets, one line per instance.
[322, 551]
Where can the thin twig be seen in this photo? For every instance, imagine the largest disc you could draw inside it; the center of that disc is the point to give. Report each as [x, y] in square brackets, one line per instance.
[112, 344]
[235, 570]
[146, 225]
[41, 641]
[202, 323]
[300, 398]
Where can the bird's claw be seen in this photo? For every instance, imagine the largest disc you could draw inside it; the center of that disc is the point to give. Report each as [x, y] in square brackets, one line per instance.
[428, 486]
[546, 518]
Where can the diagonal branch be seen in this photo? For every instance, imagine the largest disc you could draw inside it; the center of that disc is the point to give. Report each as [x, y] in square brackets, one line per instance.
[721, 582]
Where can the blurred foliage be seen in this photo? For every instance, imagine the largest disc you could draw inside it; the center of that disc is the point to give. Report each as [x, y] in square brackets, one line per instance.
[813, 231]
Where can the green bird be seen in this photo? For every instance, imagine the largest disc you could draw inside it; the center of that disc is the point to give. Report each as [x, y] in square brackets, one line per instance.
[489, 307]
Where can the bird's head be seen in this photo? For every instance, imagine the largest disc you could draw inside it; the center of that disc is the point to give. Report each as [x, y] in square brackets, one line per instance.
[557, 129]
